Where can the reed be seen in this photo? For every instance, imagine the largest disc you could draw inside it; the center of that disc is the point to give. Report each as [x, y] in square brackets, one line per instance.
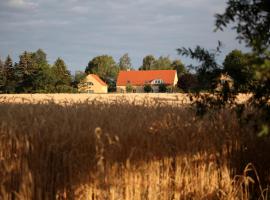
[124, 150]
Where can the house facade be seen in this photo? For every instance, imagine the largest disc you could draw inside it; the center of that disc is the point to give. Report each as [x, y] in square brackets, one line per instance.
[222, 80]
[92, 84]
[138, 79]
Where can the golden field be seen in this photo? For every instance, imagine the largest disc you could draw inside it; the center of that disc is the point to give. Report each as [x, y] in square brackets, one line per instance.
[167, 98]
[92, 149]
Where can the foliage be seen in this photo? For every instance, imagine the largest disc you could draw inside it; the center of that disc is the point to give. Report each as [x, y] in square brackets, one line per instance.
[61, 76]
[125, 62]
[251, 19]
[162, 63]
[238, 65]
[188, 82]
[79, 76]
[129, 88]
[148, 62]
[179, 67]
[104, 66]
[162, 87]
[147, 88]
[8, 76]
[208, 69]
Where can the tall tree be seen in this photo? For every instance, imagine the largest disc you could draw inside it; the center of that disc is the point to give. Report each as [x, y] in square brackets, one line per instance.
[125, 62]
[8, 75]
[179, 67]
[163, 62]
[237, 65]
[251, 19]
[208, 69]
[104, 66]
[148, 62]
[61, 76]
[2, 77]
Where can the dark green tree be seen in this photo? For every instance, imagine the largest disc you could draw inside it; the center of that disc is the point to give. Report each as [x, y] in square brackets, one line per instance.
[179, 67]
[61, 76]
[148, 62]
[8, 76]
[238, 66]
[162, 88]
[79, 76]
[147, 88]
[208, 69]
[125, 62]
[104, 66]
[2, 77]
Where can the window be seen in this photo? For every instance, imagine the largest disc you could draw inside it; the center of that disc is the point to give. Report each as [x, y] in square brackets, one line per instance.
[158, 81]
[89, 83]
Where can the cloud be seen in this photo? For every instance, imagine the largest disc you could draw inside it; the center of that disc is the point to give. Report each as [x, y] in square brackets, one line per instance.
[78, 30]
[21, 4]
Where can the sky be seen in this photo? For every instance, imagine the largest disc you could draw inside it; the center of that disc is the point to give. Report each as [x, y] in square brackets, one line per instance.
[79, 30]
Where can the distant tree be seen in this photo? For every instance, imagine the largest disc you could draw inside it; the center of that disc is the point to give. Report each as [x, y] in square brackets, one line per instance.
[125, 62]
[238, 66]
[79, 76]
[163, 62]
[61, 76]
[33, 73]
[188, 82]
[2, 77]
[179, 67]
[148, 62]
[8, 76]
[104, 66]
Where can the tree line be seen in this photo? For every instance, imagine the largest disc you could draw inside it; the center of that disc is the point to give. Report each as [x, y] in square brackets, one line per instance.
[33, 73]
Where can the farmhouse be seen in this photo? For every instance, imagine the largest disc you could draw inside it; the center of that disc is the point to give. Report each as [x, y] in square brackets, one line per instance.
[92, 84]
[138, 79]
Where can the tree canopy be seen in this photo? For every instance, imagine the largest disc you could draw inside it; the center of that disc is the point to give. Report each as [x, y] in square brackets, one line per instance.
[104, 66]
[125, 62]
[251, 19]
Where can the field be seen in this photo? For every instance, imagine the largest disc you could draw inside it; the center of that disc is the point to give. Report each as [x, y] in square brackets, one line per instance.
[112, 147]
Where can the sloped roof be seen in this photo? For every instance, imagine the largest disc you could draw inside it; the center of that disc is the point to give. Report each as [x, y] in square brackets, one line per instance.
[139, 78]
[98, 79]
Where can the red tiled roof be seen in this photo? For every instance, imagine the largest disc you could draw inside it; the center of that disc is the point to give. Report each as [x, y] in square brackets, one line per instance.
[98, 79]
[139, 78]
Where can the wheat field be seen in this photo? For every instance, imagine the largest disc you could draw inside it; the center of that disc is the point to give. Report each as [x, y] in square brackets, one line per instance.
[119, 149]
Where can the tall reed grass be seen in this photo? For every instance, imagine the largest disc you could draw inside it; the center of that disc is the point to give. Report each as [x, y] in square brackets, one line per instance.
[121, 150]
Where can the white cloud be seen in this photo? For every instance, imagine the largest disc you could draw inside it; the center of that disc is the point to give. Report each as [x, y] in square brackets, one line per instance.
[22, 4]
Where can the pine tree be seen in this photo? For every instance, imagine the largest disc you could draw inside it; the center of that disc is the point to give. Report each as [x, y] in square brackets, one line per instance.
[62, 78]
[8, 73]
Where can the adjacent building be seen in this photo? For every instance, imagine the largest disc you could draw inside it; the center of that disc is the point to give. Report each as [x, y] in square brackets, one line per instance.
[92, 84]
[138, 79]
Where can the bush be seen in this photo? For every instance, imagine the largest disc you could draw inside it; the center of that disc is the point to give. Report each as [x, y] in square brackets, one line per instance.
[147, 88]
[129, 88]
[162, 88]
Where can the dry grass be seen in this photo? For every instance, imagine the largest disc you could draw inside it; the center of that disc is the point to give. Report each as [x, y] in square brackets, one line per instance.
[168, 98]
[121, 150]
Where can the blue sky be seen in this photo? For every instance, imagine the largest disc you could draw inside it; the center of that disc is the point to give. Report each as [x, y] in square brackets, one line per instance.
[78, 30]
